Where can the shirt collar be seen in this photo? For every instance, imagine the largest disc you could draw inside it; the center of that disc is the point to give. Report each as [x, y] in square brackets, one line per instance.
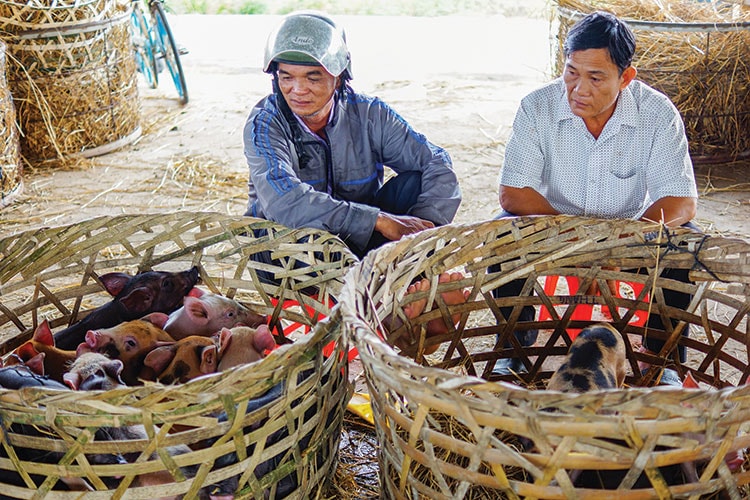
[330, 116]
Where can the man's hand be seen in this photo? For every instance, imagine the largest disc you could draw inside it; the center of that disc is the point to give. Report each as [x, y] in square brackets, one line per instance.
[394, 227]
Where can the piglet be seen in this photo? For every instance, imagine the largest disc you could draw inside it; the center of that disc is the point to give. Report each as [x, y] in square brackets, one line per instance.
[595, 360]
[54, 361]
[183, 360]
[18, 377]
[129, 342]
[209, 313]
[243, 344]
[95, 371]
[134, 297]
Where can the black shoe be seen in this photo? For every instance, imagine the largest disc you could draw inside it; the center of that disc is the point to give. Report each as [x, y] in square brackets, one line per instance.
[508, 366]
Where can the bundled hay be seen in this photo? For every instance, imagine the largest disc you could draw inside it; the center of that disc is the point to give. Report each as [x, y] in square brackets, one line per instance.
[288, 442]
[450, 428]
[72, 75]
[696, 53]
[11, 177]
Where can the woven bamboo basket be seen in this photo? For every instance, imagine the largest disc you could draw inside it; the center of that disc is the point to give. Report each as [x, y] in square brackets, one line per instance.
[450, 428]
[73, 76]
[694, 52]
[52, 274]
[11, 175]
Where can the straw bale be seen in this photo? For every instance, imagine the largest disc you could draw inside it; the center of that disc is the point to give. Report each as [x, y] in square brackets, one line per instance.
[52, 273]
[73, 76]
[449, 427]
[11, 170]
[696, 53]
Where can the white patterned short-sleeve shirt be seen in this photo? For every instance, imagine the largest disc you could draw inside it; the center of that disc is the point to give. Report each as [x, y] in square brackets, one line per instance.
[640, 156]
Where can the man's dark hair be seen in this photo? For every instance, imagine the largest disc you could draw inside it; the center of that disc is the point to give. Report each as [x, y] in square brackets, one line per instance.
[602, 30]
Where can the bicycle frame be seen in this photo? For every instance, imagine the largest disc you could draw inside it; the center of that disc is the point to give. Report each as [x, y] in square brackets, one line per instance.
[155, 47]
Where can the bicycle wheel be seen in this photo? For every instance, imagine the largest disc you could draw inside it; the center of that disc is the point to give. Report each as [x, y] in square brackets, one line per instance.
[168, 49]
[144, 47]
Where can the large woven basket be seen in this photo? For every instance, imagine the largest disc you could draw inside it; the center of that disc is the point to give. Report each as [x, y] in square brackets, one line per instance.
[11, 181]
[52, 274]
[72, 75]
[449, 428]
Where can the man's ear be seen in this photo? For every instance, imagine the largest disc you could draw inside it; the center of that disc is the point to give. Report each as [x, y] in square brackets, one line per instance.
[628, 76]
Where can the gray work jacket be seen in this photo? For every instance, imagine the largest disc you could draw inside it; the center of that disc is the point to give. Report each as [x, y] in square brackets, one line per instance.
[333, 190]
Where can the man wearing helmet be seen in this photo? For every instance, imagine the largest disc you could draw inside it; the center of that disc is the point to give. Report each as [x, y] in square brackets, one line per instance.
[317, 150]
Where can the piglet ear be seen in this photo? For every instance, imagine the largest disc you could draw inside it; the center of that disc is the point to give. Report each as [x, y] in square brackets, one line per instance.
[225, 338]
[159, 358]
[197, 310]
[138, 300]
[209, 362]
[72, 380]
[114, 283]
[26, 352]
[158, 319]
[43, 334]
[36, 363]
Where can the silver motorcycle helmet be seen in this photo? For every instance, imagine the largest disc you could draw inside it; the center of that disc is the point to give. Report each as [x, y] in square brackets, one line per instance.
[309, 38]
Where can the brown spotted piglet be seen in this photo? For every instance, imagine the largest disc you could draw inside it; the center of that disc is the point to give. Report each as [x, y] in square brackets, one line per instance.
[129, 342]
[595, 360]
[184, 360]
[41, 348]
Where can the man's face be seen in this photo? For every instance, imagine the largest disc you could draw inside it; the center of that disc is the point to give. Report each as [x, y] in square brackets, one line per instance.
[308, 90]
[593, 84]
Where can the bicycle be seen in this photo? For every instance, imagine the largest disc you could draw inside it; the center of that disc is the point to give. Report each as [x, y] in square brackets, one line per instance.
[155, 46]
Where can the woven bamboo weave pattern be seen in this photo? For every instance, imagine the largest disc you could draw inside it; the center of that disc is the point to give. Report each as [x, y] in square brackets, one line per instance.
[51, 274]
[450, 428]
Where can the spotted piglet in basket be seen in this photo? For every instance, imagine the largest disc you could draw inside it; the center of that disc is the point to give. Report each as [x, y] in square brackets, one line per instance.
[595, 360]
[95, 371]
[207, 313]
[129, 342]
[184, 360]
[41, 354]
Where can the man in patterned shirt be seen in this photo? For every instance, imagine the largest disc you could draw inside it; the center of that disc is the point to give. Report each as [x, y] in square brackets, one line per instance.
[598, 143]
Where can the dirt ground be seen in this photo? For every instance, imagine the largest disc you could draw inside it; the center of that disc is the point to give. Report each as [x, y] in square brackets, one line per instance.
[457, 79]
